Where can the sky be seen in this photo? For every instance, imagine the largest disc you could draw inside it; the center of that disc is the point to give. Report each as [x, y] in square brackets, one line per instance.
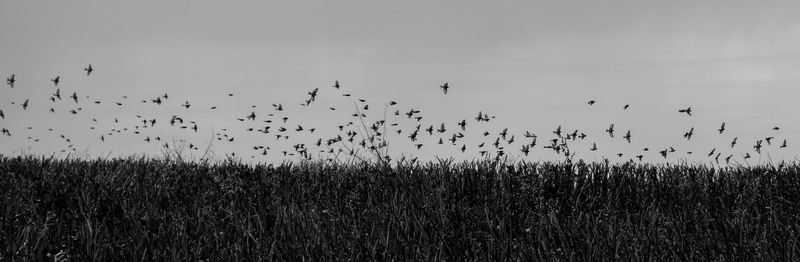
[532, 64]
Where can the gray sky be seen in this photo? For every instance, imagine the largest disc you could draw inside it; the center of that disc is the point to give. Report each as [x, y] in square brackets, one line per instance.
[533, 64]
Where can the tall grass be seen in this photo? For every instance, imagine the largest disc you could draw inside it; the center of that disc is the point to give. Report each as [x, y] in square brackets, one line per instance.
[136, 208]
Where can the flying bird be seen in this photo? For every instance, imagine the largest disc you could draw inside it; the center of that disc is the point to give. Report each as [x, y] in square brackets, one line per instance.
[688, 111]
[610, 130]
[10, 80]
[56, 80]
[721, 128]
[88, 70]
[444, 88]
[688, 135]
[336, 84]
[591, 102]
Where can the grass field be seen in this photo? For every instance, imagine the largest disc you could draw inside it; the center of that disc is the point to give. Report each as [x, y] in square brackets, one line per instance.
[134, 209]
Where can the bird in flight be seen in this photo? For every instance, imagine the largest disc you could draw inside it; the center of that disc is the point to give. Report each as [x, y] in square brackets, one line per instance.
[88, 70]
[688, 111]
[610, 130]
[444, 88]
[10, 80]
[626, 108]
[591, 102]
[56, 80]
[25, 105]
[721, 128]
[336, 84]
[688, 135]
[733, 143]
[627, 136]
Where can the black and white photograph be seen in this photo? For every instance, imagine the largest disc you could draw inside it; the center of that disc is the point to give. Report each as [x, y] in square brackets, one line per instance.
[440, 130]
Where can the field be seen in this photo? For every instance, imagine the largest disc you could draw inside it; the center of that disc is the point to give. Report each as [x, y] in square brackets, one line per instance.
[137, 208]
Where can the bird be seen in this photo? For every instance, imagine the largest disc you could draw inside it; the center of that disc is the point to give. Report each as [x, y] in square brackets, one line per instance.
[610, 130]
[712, 152]
[688, 111]
[782, 146]
[628, 136]
[721, 128]
[626, 108]
[591, 102]
[444, 88]
[10, 80]
[88, 70]
[594, 147]
[74, 97]
[688, 135]
[25, 105]
[336, 84]
[733, 143]
[313, 94]
[56, 80]
[3, 116]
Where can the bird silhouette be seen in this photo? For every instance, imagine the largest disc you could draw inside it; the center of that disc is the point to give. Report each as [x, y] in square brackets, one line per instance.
[56, 80]
[627, 136]
[610, 130]
[444, 88]
[721, 128]
[733, 143]
[626, 108]
[74, 97]
[25, 105]
[591, 102]
[688, 135]
[782, 146]
[10, 80]
[688, 111]
[88, 70]
[336, 84]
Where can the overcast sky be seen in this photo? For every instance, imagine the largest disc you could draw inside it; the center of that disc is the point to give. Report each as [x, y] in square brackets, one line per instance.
[533, 64]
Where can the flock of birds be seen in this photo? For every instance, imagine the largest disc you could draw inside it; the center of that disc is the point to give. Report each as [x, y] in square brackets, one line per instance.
[360, 138]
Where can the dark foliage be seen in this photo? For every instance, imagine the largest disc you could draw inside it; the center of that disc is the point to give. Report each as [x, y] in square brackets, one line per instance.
[134, 209]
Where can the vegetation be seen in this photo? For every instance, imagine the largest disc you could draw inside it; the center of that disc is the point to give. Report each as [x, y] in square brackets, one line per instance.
[146, 209]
